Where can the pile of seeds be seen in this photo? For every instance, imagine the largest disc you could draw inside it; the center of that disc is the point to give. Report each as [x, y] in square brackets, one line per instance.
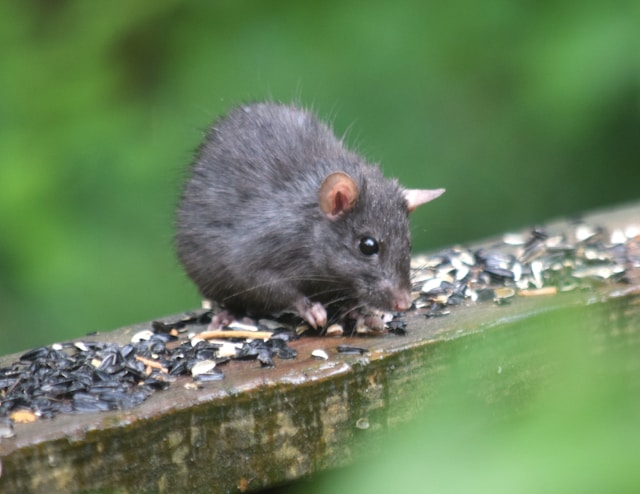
[90, 376]
[530, 263]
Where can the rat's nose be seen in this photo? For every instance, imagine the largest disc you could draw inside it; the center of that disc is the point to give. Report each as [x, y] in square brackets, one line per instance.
[402, 300]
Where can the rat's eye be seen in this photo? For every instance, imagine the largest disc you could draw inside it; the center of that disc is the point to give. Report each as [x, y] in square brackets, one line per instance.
[369, 246]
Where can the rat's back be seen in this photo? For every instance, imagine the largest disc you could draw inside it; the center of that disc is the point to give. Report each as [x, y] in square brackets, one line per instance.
[267, 145]
[256, 173]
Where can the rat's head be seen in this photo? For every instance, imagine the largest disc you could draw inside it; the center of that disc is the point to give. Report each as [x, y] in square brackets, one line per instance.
[366, 219]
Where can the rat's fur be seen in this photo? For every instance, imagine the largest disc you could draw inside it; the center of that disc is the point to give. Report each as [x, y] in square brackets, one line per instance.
[252, 236]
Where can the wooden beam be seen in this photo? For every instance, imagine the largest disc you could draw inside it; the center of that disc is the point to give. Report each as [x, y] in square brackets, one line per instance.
[258, 426]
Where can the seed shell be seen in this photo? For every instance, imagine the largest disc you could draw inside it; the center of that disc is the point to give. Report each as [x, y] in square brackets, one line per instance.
[319, 354]
[351, 350]
[203, 367]
[334, 330]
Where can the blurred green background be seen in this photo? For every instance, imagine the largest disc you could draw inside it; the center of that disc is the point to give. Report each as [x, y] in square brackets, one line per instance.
[547, 404]
[524, 111]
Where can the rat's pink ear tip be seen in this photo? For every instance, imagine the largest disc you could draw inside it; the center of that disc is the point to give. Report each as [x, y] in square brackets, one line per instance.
[437, 193]
[418, 197]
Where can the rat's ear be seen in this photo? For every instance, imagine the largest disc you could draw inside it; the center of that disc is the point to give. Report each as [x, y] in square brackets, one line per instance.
[337, 194]
[417, 197]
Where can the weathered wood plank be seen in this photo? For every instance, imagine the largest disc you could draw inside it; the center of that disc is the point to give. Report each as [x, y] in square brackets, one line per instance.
[259, 427]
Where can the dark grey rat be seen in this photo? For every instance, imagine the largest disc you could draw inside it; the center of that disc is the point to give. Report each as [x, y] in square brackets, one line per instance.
[278, 215]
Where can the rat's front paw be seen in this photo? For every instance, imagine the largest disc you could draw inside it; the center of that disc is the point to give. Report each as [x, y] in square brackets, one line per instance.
[373, 319]
[312, 312]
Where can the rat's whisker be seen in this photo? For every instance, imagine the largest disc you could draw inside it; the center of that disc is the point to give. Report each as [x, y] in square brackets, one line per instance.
[273, 283]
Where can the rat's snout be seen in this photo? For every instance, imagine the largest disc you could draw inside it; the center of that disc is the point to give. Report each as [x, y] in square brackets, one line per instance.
[392, 297]
[402, 300]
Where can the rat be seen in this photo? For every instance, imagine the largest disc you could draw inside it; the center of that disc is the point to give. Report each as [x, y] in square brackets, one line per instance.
[278, 215]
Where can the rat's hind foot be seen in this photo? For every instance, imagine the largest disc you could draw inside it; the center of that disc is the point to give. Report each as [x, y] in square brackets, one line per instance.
[225, 317]
[221, 319]
[312, 312]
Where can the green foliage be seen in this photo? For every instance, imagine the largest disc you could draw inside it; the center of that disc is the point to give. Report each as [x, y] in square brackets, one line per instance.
[523, 111]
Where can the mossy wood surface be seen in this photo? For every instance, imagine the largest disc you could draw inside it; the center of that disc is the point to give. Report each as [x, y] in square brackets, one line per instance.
[259, 427]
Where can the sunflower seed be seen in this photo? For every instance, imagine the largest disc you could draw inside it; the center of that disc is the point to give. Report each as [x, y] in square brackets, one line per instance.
[319, 354]
[202, 367]
[242, 327]
[334, 330]
[143, 335]
[351, 350]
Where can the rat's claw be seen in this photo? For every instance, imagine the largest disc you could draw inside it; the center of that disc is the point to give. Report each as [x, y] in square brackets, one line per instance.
[317, 315]
[312, 312]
